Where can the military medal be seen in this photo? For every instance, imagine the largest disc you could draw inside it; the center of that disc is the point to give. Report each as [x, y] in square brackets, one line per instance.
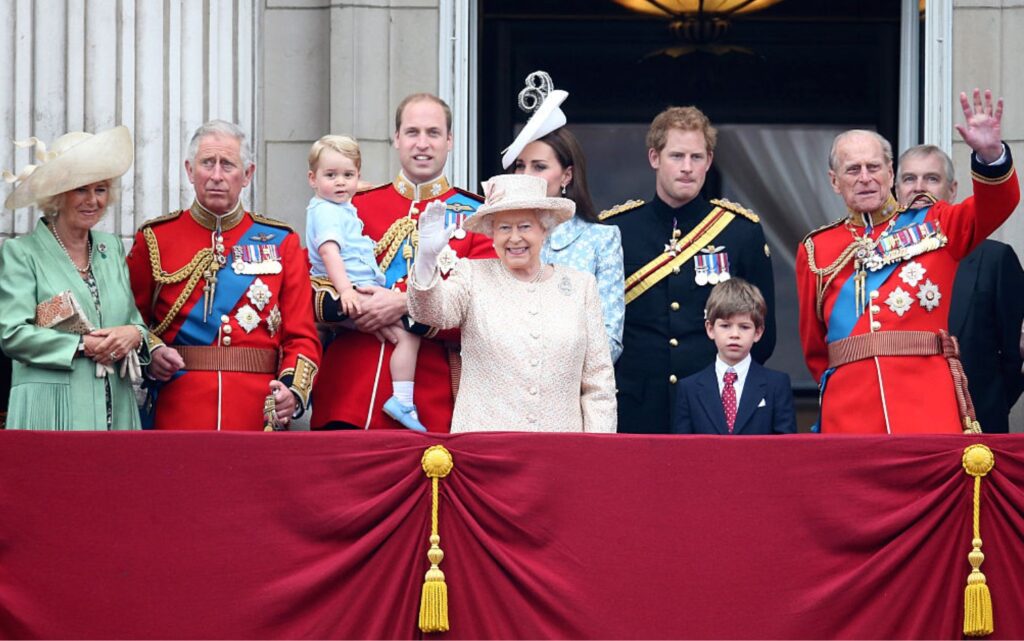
[723, 270]
[700, 270]
[274, 320]
[259, 294]
[255, 259]
[247, 317]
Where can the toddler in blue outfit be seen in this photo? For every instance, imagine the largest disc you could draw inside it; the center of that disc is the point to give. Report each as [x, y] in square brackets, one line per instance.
[340, 251]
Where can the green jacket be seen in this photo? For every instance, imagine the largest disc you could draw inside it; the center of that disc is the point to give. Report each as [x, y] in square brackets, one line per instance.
[52, 386]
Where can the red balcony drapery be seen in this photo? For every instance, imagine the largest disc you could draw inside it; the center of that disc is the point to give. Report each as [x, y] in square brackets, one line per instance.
[324, 535]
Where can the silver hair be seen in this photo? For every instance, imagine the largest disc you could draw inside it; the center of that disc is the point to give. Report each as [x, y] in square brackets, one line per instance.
[221, 128]
[923, 151]
[833, 160]
[546, 218]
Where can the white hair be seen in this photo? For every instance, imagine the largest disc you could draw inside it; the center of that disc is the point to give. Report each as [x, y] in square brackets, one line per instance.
[833, 154]
[221, 128]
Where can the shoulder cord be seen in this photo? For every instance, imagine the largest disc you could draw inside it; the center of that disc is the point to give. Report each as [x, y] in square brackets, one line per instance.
[193, 271]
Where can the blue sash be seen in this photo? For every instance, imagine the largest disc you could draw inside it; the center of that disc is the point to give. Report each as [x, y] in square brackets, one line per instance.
[844, 313]
[230, 289]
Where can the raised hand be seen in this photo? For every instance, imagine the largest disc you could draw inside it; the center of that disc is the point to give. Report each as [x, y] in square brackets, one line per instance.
[982, 127]
[433, 237]
[433, 234]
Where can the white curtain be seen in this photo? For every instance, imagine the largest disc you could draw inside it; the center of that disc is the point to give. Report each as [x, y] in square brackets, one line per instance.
[781, 173]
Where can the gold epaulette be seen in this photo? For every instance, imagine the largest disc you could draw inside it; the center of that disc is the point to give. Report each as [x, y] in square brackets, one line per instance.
[736, 208]
[271, 222]
[620, 209]
[160, 219]
[830, 225]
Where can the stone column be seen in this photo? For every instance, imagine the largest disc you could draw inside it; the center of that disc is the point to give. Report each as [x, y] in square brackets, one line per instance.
[159, 68]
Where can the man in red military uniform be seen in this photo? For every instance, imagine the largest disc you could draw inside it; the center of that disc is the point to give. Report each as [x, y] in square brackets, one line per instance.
[226, 293]
[874, 287]
[360, 379]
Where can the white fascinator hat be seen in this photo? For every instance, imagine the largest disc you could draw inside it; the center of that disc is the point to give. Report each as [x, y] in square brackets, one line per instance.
[540, 97]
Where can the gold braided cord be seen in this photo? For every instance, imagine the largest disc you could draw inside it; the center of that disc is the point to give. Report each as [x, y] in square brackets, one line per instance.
[193, 271]
[391, 240]
[977, 507]
[435, 496]
[831, 271]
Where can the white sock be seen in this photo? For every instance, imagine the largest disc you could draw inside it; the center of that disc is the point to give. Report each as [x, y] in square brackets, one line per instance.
[403, 391]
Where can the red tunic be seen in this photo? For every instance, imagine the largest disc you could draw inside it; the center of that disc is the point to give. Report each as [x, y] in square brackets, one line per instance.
[283, 320]
[898, 394]
[358, 379]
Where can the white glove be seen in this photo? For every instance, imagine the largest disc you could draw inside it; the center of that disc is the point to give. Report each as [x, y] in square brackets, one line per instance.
[433, 238]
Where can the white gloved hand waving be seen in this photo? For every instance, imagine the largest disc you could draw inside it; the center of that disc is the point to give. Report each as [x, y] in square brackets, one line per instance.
[433, 238]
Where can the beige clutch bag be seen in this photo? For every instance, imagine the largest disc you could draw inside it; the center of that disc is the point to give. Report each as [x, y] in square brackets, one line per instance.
[63, 313]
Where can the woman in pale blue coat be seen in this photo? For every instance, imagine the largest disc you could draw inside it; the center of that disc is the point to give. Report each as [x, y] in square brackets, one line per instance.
[63, 380]
[547, 149]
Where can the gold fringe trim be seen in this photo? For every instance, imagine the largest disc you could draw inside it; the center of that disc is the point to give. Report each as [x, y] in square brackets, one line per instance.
[978, 461]
[736, 208]
[437, 463]
[619, 209]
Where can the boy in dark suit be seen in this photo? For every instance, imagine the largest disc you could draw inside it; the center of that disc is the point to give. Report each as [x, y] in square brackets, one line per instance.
[735, 395]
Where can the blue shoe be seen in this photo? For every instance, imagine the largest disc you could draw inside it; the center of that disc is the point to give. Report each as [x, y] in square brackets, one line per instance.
[404, 414]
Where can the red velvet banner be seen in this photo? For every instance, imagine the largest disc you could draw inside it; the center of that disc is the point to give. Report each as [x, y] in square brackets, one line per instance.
[324, 535]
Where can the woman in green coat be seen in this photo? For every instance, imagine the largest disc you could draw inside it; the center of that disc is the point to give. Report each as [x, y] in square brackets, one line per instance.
[63, 380]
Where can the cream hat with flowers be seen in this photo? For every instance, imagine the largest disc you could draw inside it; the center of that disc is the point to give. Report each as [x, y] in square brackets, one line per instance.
[517, 192]
[73, 160]
[540, 97]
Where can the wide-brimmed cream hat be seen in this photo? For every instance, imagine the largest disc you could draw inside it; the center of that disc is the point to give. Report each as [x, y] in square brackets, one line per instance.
[73, 160]
[517, 192]
[545, 101]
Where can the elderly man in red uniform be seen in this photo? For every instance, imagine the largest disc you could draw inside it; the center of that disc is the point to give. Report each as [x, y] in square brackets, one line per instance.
[226, 293]
[874, 287]
[360, 380]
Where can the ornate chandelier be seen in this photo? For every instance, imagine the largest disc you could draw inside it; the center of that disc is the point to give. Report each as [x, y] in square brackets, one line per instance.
[698, 21]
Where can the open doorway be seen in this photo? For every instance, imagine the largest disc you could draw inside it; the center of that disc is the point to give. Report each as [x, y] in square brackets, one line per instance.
[779, 83]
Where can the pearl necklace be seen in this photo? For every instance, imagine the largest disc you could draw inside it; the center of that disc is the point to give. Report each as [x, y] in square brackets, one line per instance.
[88, 249]
[540, 272]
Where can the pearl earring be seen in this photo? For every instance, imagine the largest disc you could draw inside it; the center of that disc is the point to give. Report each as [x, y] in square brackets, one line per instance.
[563, 190]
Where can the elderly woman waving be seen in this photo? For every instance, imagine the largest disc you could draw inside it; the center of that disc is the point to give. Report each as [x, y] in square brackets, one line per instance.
[67, 316]
[535, 355]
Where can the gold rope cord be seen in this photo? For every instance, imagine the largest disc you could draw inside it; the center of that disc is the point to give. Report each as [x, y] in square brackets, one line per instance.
[831, 271]
[193, 271]
[392, 240]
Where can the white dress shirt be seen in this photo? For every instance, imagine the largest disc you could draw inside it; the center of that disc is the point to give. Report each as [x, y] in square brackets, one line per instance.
[741, 369]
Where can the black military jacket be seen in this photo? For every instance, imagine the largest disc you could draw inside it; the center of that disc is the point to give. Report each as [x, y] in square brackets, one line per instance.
[664, 339]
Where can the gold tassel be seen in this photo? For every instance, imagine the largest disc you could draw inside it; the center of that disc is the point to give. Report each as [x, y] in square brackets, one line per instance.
[437, 463]
[978, 461]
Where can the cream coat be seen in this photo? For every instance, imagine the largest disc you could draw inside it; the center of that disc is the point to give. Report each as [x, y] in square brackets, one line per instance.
[535, 356]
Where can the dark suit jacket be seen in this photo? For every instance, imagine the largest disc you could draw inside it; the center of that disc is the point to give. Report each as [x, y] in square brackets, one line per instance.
[985, 315]
[699, 404]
